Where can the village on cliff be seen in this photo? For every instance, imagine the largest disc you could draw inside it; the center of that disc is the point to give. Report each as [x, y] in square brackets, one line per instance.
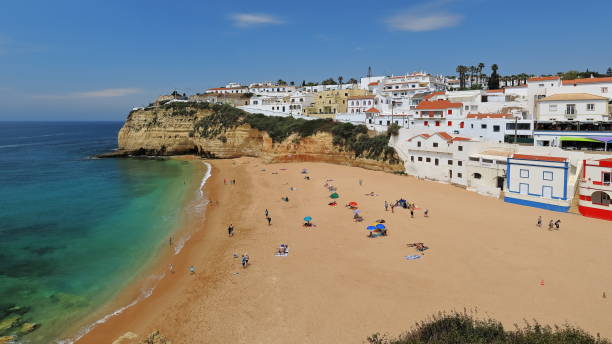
[540, 141]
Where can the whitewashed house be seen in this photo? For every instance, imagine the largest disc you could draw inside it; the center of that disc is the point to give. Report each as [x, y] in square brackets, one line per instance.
[582, 107]
[359, 104]
[539, 181]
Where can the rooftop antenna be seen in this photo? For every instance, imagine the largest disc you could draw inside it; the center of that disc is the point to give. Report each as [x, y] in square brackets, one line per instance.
[369, 71]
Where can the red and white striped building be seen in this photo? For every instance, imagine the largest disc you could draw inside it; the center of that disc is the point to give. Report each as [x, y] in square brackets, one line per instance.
[596, 189]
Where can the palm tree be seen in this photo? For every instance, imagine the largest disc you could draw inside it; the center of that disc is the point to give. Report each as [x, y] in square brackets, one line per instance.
[340, 78]
[480, 68]
[461, 69]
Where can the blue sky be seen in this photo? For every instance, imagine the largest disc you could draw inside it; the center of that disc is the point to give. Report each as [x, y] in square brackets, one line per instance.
[95, 60]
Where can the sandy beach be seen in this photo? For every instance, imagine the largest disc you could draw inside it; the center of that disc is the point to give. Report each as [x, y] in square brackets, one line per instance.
[338, 286]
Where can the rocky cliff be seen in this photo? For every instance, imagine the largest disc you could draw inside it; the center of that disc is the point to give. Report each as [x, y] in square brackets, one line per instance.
[221, 132]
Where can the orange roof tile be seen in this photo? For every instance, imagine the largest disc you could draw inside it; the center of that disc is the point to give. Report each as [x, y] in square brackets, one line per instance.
[458, 138]
[431, 95]
[425, 136]
[543, 78]
[443, 135]
[538, 157]
[375, 83]
[501, 90]
[489, 115]
[437, 104]
[587, 81]
[373, 109]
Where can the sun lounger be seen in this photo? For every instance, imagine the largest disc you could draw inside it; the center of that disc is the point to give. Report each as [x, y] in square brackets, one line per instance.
[413, 257]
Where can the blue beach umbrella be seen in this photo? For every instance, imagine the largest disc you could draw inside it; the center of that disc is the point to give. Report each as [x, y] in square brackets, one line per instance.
[371, 228]
[380, 226]
[308, 218]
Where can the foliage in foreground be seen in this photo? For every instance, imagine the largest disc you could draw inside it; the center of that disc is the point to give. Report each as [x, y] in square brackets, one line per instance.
[466, 328]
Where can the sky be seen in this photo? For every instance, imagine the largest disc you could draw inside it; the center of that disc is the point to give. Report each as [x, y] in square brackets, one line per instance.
[95, 60]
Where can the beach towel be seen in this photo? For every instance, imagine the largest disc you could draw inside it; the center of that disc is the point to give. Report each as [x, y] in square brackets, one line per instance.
[413, 257]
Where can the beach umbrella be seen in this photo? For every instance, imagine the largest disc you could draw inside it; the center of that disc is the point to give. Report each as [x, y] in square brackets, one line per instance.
[334, 195]
[371, 228]
[380, 226]
[308, 219]
[353, 204]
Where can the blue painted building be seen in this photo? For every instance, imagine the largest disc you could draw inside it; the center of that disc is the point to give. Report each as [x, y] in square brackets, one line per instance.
[539, 181]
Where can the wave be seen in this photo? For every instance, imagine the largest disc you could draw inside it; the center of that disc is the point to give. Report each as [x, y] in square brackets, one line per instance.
[20, 145]
[145, 293]
[207, 175]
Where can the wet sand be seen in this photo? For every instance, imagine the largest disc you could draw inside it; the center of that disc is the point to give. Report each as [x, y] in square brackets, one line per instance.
[338, 285]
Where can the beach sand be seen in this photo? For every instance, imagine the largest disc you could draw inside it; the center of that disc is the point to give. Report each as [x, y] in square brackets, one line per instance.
[339, 286]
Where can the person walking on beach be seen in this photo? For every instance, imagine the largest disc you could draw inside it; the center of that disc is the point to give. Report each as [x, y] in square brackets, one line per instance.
[411, 213]
[539, 224]
[191, 269]
[557, 224]
[386, 206]
[269, 220]
[360, 182]
[550, 225]
[392, 206]
[266, 212]
[171, 268]
[426, 212]
[230, 230]
[245, 260]
[224, 181]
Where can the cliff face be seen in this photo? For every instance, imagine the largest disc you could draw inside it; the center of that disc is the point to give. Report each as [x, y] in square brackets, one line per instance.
[162, 131]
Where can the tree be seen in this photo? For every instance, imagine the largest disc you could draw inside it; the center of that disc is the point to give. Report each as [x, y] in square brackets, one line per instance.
[461, 70]
[281, 82]
[353, 81]
[494, 79]
[480, 68]
[340, 78]
[609, 71]
[303, 83]
[292, 83]
[329, 81]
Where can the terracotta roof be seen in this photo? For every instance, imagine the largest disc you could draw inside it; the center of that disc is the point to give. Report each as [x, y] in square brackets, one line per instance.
[375, 83]
[437, 104]
[587, 81]
[538, 157]
[501, 90]
[434, 94]
[459, 138]
[365, 96]
[425, 136]
[489, 115]
[543, 78]
[573, 96]
[443, 135]
[373, 109]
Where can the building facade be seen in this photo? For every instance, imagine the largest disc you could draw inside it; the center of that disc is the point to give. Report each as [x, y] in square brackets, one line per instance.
[596, 189]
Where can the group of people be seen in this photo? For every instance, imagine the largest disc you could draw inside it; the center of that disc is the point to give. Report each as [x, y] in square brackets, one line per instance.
[406, 205]
[232, 181]
[556, 225]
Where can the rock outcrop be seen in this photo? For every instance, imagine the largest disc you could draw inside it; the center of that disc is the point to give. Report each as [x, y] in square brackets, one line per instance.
[164, 131]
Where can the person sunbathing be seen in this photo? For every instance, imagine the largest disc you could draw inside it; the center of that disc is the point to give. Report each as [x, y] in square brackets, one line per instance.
[332, 203]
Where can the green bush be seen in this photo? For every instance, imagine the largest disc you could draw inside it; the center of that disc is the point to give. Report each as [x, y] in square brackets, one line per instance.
[466, 328]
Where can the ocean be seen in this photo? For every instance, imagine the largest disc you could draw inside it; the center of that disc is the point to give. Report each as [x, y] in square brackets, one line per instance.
[75, 230]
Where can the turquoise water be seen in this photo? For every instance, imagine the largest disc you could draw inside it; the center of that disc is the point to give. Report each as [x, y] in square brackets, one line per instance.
[74, 230]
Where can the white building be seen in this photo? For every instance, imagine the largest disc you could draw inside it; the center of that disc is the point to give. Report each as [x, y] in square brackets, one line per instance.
[358, 104]
[539, 181]
[405, 86]
[596, 189]
[573, 107]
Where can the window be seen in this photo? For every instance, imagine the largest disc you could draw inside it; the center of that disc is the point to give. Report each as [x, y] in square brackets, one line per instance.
[601, 198]
[437, 123]
[605, 177]
[460, 148]
[461, 125]
[483, 126]
[524, 173]
[459, 163]
[552, 107]
[547, 175]
[590, 107]
[420, 158]
[604, 90]
[477, 176]
[436, 161]
[426, 123]
[419, 144]
[412, 158]
[435, 144]
[459, 175]
[540, 85]
[450, 123]
[450, 162]
[474, 159]
[496, 128]
[450, 112]
[427, 159]
[467, 107]
[570, 109]
[487, 161]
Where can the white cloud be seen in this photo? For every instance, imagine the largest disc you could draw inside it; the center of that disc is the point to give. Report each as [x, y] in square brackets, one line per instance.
[427, 17]
[105, 93]
[254, 19]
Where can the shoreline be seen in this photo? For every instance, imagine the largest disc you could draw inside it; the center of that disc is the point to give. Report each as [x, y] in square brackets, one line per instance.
[485, 254]
[152, 272]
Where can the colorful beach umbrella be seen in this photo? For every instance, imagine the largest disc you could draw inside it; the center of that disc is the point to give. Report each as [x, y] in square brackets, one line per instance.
[308, 218]
[334, 195]
[371, 228]
[380, 226]
[353, 204]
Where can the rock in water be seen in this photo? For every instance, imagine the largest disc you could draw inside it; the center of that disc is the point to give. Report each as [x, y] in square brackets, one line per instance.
[156, 338]
[9, 322]
[7, 339]
[27, 328]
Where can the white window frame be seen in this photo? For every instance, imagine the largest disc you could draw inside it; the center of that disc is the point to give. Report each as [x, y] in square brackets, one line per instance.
[523, 173]
[548, 174]
[590, 107]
